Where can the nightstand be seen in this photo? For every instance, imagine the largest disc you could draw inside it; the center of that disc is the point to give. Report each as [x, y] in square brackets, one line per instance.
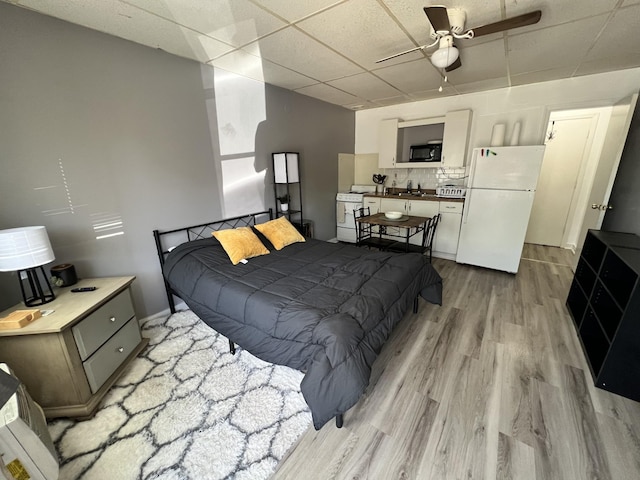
[69, 359]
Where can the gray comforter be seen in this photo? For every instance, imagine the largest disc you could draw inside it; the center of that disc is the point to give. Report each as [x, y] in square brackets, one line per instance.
[319, 307]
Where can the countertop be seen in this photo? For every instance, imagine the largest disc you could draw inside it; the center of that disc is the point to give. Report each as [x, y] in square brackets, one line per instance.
[427, 194]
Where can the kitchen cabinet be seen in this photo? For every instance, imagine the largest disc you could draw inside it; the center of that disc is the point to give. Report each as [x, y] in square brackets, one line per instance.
[604, 302]
[448, 230]
[395, 138]
[418, 208]
[388, 143]
[373, 203]
[394, 205]
[356, 169]
[422, 208]
[456, 138]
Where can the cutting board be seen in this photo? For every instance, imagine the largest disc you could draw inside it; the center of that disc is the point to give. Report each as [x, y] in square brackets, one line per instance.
[19, 318]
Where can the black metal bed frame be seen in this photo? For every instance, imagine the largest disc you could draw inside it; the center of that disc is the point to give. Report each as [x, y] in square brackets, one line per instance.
[197, 232]
[204, 230]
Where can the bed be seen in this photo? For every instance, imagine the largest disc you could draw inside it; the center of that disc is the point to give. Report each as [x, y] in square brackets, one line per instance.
[323, 308]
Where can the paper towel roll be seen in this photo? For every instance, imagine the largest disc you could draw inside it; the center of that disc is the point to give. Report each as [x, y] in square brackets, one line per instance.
[515, 136]
[497, 136]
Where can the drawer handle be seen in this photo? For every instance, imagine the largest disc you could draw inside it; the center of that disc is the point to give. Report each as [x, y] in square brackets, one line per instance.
[121, 349]
[112, 319]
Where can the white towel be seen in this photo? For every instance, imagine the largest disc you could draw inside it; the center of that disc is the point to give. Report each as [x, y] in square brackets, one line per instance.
[340, 212]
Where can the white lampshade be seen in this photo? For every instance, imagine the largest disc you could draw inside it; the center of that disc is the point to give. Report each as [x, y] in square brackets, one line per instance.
[443, 57]
[285, 167]
[25, 247]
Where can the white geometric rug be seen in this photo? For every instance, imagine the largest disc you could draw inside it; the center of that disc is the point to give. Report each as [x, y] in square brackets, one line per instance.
[187, 409]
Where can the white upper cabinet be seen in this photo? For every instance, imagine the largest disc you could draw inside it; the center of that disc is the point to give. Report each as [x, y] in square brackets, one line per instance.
[395, 137]
[388, 143]
[456, 138]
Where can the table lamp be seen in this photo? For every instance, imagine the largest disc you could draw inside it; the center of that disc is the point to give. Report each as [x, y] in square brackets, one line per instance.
[25, 250]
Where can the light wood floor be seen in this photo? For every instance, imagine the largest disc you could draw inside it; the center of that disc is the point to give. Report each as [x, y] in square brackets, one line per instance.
[492, 385]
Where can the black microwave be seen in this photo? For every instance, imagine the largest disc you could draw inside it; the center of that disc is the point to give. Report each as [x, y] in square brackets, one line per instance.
[430, 152]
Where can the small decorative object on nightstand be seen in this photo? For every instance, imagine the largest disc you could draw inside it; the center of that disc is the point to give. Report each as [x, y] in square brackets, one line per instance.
[70, 358]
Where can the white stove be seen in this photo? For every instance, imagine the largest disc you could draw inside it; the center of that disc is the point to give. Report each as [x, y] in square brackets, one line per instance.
[346, 203]
[356, 194]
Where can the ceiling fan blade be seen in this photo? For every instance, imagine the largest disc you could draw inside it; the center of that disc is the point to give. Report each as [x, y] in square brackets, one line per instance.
[401, 53]
[454, 65]
[513, 22]
[438, 18]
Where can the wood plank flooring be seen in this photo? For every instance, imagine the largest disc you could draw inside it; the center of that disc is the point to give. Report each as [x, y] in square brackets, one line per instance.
[491, 385]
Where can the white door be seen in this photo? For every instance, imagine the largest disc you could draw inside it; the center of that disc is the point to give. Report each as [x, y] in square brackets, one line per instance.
[608, 166]
[563, 157]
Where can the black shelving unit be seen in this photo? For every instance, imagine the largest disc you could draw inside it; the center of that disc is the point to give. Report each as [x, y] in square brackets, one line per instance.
[286, 180]
[604, 302]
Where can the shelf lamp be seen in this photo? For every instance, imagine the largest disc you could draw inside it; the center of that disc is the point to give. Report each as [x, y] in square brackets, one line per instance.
[285, 167]
[25, 250]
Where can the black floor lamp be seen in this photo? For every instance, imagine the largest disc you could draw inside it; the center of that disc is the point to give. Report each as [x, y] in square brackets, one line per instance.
[25, 250]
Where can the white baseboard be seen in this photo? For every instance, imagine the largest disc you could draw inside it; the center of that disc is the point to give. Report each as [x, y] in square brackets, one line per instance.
[164, 313]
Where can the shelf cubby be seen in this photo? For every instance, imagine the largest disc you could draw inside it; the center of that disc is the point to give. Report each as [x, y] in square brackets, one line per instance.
[604, 302]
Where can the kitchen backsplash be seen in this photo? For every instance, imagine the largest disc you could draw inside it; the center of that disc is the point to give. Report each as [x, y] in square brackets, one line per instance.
[425, 177]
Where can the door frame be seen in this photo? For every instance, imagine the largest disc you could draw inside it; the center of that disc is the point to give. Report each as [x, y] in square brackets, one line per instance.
[579, 202]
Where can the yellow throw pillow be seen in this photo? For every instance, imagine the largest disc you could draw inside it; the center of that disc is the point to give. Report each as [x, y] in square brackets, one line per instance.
[280, 232]
[240, 243]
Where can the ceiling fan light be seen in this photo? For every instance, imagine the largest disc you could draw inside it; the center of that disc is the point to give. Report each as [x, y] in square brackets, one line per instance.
[444, 57]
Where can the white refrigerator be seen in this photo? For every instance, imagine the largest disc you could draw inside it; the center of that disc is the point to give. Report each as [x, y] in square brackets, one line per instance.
[502, 184]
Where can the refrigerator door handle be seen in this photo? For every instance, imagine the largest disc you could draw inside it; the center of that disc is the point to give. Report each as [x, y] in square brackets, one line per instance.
[467, 205]
[472, 169]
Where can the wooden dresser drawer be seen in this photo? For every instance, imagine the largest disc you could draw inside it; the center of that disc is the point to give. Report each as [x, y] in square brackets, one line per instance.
[96, 329]
[108, 358]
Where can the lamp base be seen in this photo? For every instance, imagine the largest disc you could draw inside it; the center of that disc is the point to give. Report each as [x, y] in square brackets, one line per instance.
[36, 294]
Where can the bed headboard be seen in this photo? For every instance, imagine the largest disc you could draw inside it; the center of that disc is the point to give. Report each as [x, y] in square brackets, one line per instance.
[165, 240]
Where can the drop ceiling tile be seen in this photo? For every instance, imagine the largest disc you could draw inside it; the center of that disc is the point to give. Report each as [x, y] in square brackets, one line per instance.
[608, 64]
[365, 85]
[131, 23]
[296, 10]
[248, 65]
[302, 54]
[552, 47]
[480, 62]
[542, 75]
[384, 102]
[411, 76]
[556, 12]
[359, 29]
[482, 85]
[447, 90]
[329, 94]
[620, 38]
[237, 22]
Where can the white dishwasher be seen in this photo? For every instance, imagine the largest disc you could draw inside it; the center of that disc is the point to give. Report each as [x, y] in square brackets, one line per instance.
[346, 203]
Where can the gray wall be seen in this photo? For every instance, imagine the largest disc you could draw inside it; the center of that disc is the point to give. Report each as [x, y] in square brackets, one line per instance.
[625, 196]
[95, 130]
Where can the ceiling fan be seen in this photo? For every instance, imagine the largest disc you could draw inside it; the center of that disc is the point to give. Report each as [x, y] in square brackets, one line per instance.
[447, 24]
